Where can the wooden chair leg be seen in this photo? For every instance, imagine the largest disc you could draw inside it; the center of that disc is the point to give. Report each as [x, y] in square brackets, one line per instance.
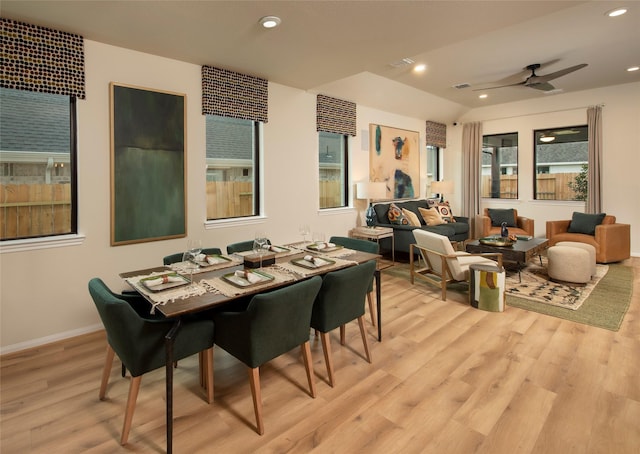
[364, 338]
[208, 359]
[371, 308]
[342, 334]
[108, 362]
[134, 387]
[308, 365]
[326, 348]
[254, 380]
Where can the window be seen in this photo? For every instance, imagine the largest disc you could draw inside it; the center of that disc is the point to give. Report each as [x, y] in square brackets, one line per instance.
[232, 167]
[499, 175]
[562, 161]
[38, 172]
[332, 160]
[434, 172]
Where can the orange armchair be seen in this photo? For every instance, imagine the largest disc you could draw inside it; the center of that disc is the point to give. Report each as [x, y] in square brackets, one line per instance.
[611, 240]
[524, 226]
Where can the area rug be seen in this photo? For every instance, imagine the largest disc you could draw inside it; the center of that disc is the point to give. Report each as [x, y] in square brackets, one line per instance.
[605, 307]
[533, 284]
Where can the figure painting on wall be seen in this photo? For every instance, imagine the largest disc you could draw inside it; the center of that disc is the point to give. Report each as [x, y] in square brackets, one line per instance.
[394, 158]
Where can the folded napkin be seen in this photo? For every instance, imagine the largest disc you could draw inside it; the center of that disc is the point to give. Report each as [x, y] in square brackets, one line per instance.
[276, 249]
[248, 275]
[317, 261]
[213, 260]
[200, 258]
[165, 279]
[324, 245]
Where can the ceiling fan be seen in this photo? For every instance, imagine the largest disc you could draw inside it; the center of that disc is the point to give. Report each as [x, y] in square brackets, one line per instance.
[539, 82]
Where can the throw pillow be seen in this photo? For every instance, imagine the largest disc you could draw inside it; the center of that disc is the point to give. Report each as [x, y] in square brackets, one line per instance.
[585, 223]
[395, 215]
[431, 216]
[411, 217]
[500, 215]
[433, 202]
[445, 212]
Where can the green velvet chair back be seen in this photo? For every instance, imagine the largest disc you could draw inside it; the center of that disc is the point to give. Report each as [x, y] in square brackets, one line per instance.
[177, 257]
[273, 323]
[342, 296]
[356, 244]
[139, 341]
[241, 246]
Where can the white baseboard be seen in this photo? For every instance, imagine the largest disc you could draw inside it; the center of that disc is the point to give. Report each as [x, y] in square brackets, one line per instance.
[49, 339]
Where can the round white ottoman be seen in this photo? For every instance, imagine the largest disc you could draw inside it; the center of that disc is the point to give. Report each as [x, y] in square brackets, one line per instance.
[587, 247]
[569, 264]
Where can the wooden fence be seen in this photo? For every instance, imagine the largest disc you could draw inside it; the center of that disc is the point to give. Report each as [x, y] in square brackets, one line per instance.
[28, 210]
[551, 186]
[228, 199]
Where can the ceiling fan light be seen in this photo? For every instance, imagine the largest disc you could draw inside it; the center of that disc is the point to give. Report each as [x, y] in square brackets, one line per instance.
[547, 139]
[616, 12]
[633, 68]
[270, 21]
[483, 96]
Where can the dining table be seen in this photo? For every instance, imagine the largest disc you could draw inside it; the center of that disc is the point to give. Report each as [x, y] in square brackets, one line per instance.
[219, 282]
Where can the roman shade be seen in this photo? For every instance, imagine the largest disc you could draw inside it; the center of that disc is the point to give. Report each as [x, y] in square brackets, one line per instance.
[230, 94]
[41, 59]
[436, 134]
[335, 115]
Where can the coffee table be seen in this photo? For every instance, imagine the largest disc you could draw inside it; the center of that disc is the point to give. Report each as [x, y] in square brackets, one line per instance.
[520, 253]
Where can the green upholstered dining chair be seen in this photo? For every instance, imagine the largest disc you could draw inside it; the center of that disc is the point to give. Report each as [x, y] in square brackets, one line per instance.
[177, 257]
[273, 323]
[241, 246]
[139, 341]
[364, 246]
[341, 300]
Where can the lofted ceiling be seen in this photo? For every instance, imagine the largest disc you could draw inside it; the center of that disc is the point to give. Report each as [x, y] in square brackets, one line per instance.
[350, 49]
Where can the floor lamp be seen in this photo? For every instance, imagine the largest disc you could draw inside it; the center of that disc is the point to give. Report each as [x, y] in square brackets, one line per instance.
[371, 191]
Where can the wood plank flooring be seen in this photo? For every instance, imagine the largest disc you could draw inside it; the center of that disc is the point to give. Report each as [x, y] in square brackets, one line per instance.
[447, 378]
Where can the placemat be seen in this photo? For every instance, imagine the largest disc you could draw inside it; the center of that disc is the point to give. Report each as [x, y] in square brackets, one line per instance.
[219, 285]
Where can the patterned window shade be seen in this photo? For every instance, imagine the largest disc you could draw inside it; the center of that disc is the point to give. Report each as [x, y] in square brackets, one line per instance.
[335, 115]
[230, 94]
[41, 59]
[436, 134]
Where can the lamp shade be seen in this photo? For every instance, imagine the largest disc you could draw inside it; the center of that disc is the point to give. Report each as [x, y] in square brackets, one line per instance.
[442, 187]
[371, 190]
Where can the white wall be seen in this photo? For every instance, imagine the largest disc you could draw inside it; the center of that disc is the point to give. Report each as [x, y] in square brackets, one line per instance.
[621, 151]
[44, 294]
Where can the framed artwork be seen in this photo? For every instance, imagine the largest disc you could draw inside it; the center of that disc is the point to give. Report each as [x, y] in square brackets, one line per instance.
[394, 158]
[148, 172]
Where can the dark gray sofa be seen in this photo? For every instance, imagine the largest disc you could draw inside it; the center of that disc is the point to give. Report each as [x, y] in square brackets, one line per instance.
[402, 234]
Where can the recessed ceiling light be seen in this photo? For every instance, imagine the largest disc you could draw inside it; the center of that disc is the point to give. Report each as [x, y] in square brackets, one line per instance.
[633, 68]
[270, 21]
[483, 96]
[420, 68]
[616, 12]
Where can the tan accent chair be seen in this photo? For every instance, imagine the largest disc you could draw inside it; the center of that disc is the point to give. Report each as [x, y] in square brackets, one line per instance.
[611, 240]
[442, 263]
[524, 225]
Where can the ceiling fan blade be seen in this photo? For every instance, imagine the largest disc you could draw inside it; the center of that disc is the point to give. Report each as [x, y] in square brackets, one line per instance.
[541, 86]
[499, 86]
[562, 72]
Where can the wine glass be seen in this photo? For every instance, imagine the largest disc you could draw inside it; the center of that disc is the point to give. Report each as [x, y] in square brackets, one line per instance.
[195, 247]
[190, 264]
[260, 243]
[304, 231]
[318, 237]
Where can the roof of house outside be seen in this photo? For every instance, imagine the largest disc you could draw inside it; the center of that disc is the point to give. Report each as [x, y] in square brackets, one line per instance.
[33, 121]
[229, 138]
[549, 153]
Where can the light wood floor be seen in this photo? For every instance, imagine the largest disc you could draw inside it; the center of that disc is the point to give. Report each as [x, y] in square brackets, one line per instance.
[447, 378]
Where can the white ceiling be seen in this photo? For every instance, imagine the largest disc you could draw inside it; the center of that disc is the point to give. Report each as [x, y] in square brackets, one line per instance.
[345, 48]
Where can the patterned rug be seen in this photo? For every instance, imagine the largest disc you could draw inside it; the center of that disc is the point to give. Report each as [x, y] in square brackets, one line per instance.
[537, 287]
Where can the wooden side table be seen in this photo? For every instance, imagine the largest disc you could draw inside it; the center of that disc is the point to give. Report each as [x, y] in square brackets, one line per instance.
[376, 233]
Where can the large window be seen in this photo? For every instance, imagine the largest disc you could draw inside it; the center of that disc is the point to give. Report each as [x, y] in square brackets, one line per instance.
[232, 168]
[434, 170]
[562, 161]
[499, 175]
[37, 164]
[332, 160]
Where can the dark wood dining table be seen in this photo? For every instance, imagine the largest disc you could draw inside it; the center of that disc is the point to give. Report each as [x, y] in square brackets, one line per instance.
[211, 300]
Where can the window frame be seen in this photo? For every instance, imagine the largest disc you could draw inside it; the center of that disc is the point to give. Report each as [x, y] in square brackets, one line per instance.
[517, 166]
[70, 237]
